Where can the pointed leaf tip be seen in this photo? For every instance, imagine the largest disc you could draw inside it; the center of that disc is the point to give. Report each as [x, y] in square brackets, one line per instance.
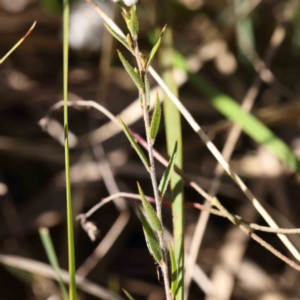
[155, 48]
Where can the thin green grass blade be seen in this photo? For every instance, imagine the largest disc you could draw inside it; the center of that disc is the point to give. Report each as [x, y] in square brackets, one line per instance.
[249, 123]
[128, 295]
[151, 239]
[47, 243]
[173, 134]
[150, 212]
[134, 76]
[135, 145]
[163, 185]
[117, 36]
[71, 250]
[155, 121]
[17, 44]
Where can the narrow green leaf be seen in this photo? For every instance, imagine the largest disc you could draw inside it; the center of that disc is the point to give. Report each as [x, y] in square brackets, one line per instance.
[173, 269]
[167, 174]
[173, 128]
[118, 37]
[47, 243]
[133, 23]
[155, 122]
[150, 212]
[128, 295]
[147, 91]
[155, 48]
[130, 70]
[151, 239]
[135, 145]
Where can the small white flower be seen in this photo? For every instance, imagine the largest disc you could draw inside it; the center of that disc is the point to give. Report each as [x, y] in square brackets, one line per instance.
[128, 2]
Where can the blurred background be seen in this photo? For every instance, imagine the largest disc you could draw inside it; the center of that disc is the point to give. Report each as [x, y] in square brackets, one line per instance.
[248, 49]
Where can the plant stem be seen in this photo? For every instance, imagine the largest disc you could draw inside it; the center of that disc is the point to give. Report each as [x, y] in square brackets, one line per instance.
[164, 263]
[71, 250]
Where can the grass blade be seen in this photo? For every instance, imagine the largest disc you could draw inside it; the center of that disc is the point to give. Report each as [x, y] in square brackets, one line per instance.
[134, 76]
[174, 270]
[155, 122]
[71, 250]
[128, 295]
[47, 243]
[173, 134]
[17, 44]
[150, 212]
[135, 145]
[168, 172]
[151, 239]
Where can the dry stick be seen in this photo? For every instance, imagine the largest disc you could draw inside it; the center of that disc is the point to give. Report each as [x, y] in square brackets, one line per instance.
[216, 153]
[234, 219]
[233, 136]
[189, 205]
[247, 229]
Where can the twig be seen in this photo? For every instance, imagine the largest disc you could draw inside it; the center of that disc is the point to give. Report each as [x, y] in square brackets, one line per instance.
[199, 206]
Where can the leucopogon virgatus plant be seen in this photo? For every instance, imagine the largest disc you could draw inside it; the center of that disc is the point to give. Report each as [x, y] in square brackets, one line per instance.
[151, 218]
